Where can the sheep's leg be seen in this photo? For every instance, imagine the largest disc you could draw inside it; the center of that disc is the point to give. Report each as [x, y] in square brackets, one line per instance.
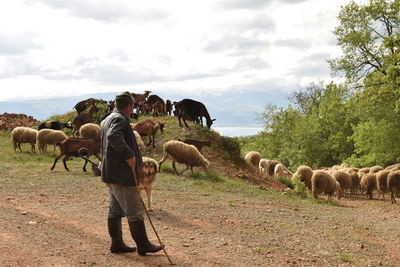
[165, 157]
[154, 146]
[173, 166]
[149, 143]
[55, 161]
[19, 147]
[187, 167]
[33, 148]
[65, 162]
[179, 119]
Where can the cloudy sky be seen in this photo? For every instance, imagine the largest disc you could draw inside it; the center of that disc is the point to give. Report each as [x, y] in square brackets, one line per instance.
[72, 47]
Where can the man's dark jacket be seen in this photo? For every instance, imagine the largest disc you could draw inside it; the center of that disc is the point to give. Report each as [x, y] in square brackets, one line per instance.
[118, 144]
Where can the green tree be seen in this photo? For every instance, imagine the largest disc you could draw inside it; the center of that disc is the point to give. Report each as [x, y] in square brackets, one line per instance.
[368, 35]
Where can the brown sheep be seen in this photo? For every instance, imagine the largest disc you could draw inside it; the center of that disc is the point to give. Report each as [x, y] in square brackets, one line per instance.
[323, 182]
[393, 184]
[394, 167]
[355, 182]
[344, 180]
[168, 107]
[281, 171]
[368, 184]
[271, 167]
[148, 128]
[381, 182]
[304, 173]
[375, 169]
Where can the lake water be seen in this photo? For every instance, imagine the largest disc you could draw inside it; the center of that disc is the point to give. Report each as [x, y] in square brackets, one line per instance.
[237, 131]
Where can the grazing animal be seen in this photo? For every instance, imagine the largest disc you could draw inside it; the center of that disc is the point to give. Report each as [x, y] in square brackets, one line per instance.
[49, 137]
[81, 106]
[185, 154]
[55, 125]
[375, 169]
[198, 144]
[393, 184]
[90, 130]
[355, 182]
[344, 180]
[381, 182]
[281, 171]
[24, 135]
[323, 182]
[72, 146]
[271, 167]
[148, 128]
[168, 107]
[368, 184]
[263, 166]
[189, 109]
[83, 118]
[157, 108]
[304, 173]
[253, 158]
[150, 168]
[139, 98]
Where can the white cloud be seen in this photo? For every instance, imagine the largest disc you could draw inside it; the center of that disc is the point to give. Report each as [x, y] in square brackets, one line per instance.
[73, 47]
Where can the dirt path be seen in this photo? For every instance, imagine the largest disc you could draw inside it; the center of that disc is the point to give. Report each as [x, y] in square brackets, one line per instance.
[43, 227]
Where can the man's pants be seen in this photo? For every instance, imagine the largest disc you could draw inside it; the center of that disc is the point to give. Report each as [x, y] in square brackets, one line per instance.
[125, 201]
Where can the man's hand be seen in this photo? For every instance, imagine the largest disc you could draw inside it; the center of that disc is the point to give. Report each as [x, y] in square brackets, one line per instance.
[131, 162]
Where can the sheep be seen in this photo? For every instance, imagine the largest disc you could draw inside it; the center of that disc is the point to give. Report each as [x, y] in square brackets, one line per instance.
[368, 184]
[139, 141]
[24, 135]
[148, 128]
[321, 181]
[355, 182]
[252, 158]
[304, 173]
[375, 169]
[363, 171]
[271, 167]
[150, 168]
[344, 180]
[82, 118]
[263, 166]
[183, 153]
[381, 182]
[393, 184]
[74, 147]
[281, 171]
[198, 144]
[394, 167]
[90, 130]
[49, 137]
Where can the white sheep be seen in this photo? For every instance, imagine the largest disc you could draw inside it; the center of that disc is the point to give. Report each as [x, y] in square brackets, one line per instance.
[24, 135]
[139, 142]
[49, 137]
[281, 171]
[185, 154]
[263, 167]
[253, 158]
[90, 130]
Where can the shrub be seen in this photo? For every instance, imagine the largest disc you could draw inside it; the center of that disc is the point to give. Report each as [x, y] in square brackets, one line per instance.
[286, 181]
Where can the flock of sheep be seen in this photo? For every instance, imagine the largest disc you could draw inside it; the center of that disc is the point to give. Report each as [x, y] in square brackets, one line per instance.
[338, 179]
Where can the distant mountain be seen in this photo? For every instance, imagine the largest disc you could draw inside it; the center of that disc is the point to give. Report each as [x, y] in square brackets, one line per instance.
[229, 109]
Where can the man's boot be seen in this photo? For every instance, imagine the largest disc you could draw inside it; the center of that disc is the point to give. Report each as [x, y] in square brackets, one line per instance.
[115, 231]
[138, 232]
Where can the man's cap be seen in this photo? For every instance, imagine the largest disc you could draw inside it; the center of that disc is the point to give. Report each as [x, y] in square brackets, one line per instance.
[124, 98]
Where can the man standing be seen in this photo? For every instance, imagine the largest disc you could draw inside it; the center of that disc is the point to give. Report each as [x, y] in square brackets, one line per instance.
[121, 163]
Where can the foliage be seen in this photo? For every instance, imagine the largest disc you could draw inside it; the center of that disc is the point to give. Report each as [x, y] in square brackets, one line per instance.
[330, 124]
[300, 188]
[286, 181]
